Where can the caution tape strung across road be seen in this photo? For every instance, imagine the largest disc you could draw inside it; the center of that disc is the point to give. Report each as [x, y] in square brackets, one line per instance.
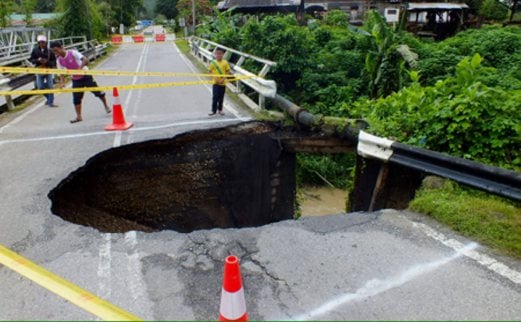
[109, 88]
[47, 71]
[73, 293]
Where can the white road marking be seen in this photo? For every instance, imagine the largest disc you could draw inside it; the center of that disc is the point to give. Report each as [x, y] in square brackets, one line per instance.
[135, 280]
[208, 87]
[133, 107]
[134, 129]
[119, 134]
[484, 260]
[376, 286]
[104, 266]
[117, 139]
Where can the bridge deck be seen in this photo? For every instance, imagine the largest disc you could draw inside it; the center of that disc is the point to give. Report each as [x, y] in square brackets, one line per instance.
[385, 265]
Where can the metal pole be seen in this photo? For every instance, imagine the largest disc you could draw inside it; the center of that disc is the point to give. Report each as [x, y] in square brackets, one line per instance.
[193, 17]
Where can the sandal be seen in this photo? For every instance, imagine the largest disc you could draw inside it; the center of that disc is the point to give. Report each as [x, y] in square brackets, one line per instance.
[76, 120]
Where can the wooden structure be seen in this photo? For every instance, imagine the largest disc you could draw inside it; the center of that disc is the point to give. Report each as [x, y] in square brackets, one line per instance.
[438, 20]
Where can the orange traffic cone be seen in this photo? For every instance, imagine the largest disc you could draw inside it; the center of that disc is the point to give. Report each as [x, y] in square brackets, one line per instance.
[233, 305]
[118, 119]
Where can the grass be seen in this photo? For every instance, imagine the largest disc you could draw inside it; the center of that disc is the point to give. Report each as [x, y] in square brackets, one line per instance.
[183, 45]
[490, 220]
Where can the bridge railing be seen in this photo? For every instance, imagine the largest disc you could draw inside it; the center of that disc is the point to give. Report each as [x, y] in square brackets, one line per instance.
[204, 50]
[16, 43]
[90, 48]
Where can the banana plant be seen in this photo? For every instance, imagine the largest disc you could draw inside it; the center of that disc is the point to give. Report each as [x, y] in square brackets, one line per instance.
[386, 62]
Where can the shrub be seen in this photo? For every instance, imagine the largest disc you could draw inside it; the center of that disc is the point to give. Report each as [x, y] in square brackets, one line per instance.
[459, 115]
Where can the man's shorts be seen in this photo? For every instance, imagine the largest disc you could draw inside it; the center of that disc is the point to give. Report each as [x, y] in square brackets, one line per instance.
[85, 81]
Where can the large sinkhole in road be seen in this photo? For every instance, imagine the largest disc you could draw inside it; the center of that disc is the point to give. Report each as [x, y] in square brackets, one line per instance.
[237, 176]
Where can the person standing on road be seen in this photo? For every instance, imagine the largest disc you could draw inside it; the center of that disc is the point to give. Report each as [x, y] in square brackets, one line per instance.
[43, 57]
[74, 60]
[219, 67]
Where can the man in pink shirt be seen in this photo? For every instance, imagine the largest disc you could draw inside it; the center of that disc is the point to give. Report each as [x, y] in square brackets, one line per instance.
[72, 59]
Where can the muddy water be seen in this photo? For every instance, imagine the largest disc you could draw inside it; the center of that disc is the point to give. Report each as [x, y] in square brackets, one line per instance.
[319, 201]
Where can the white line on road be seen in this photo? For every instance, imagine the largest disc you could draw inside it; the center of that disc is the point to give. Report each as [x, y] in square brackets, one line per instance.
[135, 129]
[135, 281]
[119, 134]
[482, 259]
[104, 266]
[377, 286]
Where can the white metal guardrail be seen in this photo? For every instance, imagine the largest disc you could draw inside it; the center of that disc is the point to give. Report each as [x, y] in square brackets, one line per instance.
[502, 182]
[204, 49]
[16, 43]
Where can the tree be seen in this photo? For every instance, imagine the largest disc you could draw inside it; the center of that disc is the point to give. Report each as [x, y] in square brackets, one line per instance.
[106, 16]
[493, 10]
[45, 5]
[337, 18]
[385, 64]
[6, 9]
[80, 18]
[125, 11]
[167, 8]
[202, 7]
[28, 7]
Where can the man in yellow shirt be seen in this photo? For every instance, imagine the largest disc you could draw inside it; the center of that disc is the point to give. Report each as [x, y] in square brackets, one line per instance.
[219, 67]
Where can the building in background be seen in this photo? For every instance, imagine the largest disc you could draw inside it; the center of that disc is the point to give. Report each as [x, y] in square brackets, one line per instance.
[430, 19]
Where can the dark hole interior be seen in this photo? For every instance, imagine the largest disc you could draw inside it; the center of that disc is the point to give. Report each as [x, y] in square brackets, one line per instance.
[236, 176]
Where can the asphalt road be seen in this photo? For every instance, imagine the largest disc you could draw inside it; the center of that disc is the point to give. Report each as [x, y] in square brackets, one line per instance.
[384, 265]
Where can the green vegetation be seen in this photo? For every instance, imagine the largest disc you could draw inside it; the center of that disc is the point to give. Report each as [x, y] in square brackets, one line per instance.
[459, 115]
[493, 10]
[460, 96]
[183, 45]
[6, 8]
[485, 218]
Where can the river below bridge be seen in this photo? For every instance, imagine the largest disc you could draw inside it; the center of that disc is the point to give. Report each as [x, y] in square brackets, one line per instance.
[320, 201]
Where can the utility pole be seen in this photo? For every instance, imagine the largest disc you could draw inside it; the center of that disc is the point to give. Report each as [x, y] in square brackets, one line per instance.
[193, 17]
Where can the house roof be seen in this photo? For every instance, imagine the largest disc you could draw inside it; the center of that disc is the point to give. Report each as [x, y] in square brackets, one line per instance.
[436, 6]
[257, 3]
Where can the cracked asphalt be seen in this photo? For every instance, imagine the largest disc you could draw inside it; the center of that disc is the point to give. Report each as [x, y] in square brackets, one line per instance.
[386, 265]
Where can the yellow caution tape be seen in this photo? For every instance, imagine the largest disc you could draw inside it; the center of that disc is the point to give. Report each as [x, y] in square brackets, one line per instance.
[78, 296]
[47, 71]
[109, 88]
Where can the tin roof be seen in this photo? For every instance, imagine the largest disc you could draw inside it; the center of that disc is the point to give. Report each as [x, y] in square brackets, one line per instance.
[436, 5]
[257, 3]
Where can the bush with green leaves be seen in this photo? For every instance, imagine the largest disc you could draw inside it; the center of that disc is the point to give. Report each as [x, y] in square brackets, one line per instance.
[493, 10]
[336, 18]
[223, 28]
[288, 44]
[459, 115]
[500, 47]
